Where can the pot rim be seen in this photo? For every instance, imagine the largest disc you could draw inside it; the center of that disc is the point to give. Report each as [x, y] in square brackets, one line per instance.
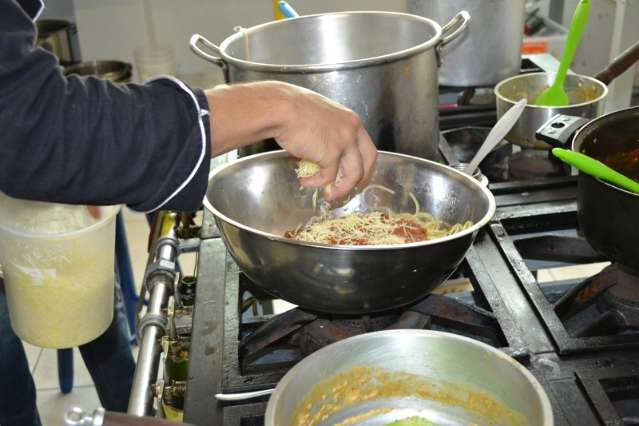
[490, 211]
[576, 143]
[502, 98]
[356, 63]
[548, 419]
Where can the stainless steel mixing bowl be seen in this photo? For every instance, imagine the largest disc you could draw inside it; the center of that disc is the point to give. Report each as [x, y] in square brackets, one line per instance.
[443, 378]
[257, 199]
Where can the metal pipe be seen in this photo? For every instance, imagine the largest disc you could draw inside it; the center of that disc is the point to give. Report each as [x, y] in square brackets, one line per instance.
[159, 280]
[141, 399]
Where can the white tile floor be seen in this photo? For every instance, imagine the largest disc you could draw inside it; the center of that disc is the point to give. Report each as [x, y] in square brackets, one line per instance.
[43, 363]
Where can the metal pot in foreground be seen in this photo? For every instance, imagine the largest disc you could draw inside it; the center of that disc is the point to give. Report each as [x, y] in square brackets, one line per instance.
[382, 65]
[586, 94]
[490, 51]
[439, 377]
[255, 200]
[607, 214]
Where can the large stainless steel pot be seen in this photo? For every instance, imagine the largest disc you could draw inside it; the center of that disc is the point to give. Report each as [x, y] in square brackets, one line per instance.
[586, 95]
[490, 51]
[440, 377]
[382, 65]
[607, 214]
[257, 199]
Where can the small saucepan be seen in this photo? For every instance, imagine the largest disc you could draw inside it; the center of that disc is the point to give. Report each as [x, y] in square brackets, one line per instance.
[411, 377]
[587, 96]
[607, 214]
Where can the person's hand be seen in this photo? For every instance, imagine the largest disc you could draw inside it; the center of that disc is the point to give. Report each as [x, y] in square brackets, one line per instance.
[304, 123]
[330, 135]
[94, 212]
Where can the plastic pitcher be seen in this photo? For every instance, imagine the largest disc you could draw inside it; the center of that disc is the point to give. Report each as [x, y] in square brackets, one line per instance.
[58, 266]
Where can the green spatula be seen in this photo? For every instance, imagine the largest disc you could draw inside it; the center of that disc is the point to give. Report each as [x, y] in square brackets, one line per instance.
[555, 94]
[596, 168]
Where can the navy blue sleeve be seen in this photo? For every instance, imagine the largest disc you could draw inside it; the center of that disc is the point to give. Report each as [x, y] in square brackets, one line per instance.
[89, 141]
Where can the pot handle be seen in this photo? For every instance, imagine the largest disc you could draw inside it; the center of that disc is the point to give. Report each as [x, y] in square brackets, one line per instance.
[241, 396]
[461, 20]
[559, 130]
[619, 65]
[196, 39]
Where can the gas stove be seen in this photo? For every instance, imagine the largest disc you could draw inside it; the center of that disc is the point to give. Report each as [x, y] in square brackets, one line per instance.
[579, 335]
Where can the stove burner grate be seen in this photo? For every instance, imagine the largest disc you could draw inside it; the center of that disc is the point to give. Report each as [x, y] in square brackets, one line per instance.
[311, 332]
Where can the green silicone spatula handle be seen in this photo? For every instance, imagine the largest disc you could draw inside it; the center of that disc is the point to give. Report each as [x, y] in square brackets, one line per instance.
[555, 94]
[596, 168]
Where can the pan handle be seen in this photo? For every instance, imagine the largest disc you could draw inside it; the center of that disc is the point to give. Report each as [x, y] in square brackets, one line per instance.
[461, 21]
[241, 396]
[197, 39]
[559, 130]
[619, 65]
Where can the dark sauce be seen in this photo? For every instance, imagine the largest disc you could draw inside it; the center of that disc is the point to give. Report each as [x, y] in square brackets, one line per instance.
[616, 144]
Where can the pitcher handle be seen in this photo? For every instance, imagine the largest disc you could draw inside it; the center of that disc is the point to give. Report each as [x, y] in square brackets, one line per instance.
[196, 39]
[461, 21]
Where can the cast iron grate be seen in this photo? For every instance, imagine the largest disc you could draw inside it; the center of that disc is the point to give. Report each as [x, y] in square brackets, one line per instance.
[583, 316]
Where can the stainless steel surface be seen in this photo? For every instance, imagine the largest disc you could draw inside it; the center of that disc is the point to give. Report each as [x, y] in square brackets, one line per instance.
[257, 199]
[586, 94]
[146, 370]
[545, 61]
[490, 51]
[119, 72]
[442, 358]
[56, 36]
[78, 417]
[242, 396]
[477, 174]
[141, 398]
[388, 76]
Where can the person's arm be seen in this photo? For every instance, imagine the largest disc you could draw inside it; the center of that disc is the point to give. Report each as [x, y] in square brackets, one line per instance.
[89, 141]
[304, 123]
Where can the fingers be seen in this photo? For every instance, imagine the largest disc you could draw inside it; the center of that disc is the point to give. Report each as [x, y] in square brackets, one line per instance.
[94, 212]
[369, 154]
[325, 176]
[355, 163]
[351, 172]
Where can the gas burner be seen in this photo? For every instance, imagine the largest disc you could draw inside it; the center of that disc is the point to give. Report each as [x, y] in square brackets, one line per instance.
[534, 164]
[598, 313]
[311, 332]
[506, 163]
[613, 294]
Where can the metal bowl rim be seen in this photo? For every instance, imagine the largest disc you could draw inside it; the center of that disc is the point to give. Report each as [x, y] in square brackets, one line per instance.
[355, 63]
[501, 97]
[546, 407]
[281, 153]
